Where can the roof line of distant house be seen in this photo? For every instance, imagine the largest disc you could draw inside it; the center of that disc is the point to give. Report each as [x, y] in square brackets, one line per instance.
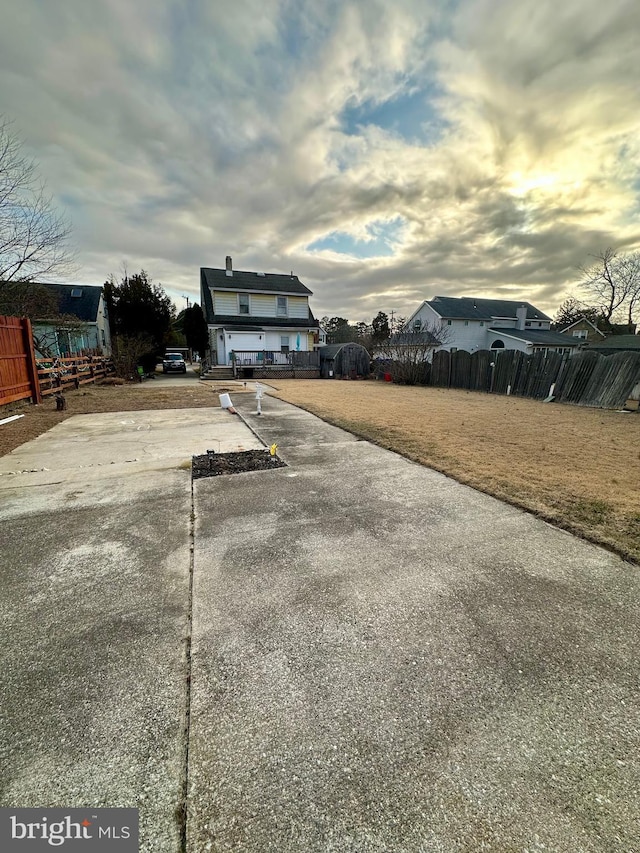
[583, 319]
[480, 308]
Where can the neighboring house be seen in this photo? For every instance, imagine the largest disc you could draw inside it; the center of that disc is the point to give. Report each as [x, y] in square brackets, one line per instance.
[65, 337]
[473, 324]
[258, 318]
[617, 343]
[584, 330]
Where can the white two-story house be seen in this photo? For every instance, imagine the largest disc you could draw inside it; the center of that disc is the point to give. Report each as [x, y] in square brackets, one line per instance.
[472, 324]
[257, 318]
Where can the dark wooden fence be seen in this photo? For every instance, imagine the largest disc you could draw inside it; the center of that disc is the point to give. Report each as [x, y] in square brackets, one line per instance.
[18, 372]
[585, 379]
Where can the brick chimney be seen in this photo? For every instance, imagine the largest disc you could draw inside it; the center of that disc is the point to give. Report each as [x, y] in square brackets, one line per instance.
[229, 265]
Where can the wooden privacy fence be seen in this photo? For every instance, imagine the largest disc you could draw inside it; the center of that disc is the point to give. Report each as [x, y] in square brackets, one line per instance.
[18, 371]
[586, 378]
[22, 376]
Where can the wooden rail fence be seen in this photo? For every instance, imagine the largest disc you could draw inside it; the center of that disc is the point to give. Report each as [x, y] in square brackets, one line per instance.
[59, 374]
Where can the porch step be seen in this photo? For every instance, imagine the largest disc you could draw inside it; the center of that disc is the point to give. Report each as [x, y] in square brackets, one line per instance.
[218, 373]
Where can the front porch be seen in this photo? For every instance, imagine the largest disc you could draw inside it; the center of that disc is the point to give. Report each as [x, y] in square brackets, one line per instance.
[261, 364]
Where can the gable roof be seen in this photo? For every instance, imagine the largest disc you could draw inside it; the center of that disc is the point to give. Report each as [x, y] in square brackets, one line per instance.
[241, 280]
[247, 281]
[582, 320]
[475, 308]
[537, 336]
[84, 302]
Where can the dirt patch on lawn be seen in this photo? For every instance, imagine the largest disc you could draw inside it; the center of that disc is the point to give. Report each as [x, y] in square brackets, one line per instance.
[576, 467]
[152, 394]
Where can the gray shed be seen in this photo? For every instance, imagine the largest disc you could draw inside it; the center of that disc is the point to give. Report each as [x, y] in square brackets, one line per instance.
[344, 361]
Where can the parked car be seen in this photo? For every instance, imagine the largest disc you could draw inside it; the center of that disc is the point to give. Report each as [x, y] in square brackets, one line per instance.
[173, 361]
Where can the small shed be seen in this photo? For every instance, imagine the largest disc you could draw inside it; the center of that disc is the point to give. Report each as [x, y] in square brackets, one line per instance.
[344, 361]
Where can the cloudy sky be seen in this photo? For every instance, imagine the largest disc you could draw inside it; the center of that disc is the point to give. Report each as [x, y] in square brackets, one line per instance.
[385, 152]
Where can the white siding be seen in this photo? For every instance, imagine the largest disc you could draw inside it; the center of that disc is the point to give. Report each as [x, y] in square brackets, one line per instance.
[263, 305]
[509, 343]
[273, 339]
[298, 307]
[225, 303]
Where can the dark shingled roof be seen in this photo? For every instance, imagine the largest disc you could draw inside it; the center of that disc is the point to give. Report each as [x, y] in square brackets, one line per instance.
[84, 306]
[242, 280]
[617, 342]
[539, 336]
[472, 308]
[230, 321]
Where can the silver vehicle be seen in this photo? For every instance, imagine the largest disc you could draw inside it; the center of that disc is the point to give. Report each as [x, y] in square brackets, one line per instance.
[173, 361]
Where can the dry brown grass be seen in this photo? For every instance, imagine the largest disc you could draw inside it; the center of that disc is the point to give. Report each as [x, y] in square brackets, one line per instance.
[576, 467]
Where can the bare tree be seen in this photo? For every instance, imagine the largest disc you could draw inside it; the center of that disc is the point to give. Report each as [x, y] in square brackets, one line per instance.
[629, 275]
[128, 351]
[409, 351]
[34, 238]
[613, 281]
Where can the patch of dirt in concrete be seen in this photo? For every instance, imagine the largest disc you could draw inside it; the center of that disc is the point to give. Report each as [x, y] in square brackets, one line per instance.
[214, 464]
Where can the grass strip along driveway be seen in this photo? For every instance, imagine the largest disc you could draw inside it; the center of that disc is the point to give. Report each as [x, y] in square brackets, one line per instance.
[576, 467]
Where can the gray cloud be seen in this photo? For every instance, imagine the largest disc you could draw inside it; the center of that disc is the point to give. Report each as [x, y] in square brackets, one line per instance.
[175, 134]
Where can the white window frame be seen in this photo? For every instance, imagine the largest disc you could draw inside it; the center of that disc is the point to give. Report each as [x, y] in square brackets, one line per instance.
[284, 311]
[248, 298]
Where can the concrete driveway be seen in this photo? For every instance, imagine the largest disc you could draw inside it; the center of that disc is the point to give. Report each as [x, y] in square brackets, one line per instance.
[385, 660]
[95, 558]
[373, 658]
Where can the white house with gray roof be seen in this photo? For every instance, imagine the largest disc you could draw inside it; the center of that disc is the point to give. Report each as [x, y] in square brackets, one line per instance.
[256, 318]
[473, 323]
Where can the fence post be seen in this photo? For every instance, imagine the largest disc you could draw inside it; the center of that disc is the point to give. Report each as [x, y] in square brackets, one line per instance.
[32, 367]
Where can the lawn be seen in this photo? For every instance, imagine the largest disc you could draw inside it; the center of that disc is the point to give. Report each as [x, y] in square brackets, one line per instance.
[578, 468]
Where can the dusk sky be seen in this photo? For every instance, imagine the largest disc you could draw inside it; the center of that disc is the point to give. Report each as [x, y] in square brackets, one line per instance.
[384, 152]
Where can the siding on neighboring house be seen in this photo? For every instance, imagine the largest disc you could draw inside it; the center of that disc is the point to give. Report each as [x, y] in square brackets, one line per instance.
[225, 303]
[298, 307]
[262, 305]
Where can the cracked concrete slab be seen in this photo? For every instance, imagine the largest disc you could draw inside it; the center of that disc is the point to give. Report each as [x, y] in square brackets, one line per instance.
[123, 443]
[94, 613]
[385, 660]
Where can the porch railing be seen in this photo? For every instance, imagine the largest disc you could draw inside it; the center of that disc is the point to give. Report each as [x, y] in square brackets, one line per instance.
[275, 358]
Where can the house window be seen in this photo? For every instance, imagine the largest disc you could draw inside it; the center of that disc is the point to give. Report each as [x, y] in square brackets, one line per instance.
[281, 306]
[527, 325]
[580, 333]
[284, 342]
[417, 325]
[482, 322]
[243, 303]
[448, 322]
[76, 291]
